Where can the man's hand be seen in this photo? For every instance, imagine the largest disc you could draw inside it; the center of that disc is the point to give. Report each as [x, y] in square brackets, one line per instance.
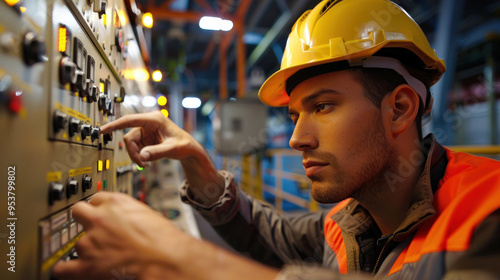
[125, 238]
[154, 136]
[122, 236]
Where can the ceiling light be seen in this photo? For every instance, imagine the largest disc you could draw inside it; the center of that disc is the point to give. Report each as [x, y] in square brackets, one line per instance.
[215, 23]
[191, 102]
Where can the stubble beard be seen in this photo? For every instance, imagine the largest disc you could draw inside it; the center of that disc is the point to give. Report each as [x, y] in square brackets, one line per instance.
[366, 182]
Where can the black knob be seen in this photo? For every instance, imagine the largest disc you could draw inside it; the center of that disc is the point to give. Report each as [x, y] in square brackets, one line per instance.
[110, 105]
[86, 182]
[67, 71]
[56, 192]
[94, 134]
[87, 92]
[71, 187]
[103, 102]
[74, 126]
[80, 83]
[60, 121]
[86, 129]
[107, 138]
[33, 49]
[93, 94]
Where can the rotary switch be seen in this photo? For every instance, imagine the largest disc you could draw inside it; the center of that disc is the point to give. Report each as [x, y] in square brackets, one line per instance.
[81, 84]
[94, 134]
[33, 49]
[102, 103]
[86, 130]
[110, 105]
[93, 94]
[71, 187]
[86, 182]
[67, 71]
[60, 121]
[56, 192]
[108, 137]
[74, 126]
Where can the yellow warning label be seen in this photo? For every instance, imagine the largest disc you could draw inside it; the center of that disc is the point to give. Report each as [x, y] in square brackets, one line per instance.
[54, 176]
[60, 253]
[80, 171]
[72, 112]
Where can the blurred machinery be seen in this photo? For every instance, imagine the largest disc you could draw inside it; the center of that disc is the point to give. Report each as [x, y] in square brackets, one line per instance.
[66, 68]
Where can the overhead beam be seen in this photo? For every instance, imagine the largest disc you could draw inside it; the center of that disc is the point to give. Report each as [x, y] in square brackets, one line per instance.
[268, 39]
[206, 6]
[169, 15]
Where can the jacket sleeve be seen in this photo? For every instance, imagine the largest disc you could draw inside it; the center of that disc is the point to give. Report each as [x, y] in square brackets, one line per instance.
[257, 230]
[482, 260]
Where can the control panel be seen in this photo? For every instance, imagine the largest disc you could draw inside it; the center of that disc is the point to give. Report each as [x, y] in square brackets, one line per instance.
[66, 68]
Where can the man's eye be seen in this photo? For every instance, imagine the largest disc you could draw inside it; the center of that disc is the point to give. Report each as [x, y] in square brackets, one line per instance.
[322, 107]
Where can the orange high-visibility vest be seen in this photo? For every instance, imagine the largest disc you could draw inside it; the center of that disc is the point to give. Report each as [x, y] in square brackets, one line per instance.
[468, 192]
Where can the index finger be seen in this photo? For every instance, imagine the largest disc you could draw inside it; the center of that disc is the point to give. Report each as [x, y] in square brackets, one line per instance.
[83, 213]
[132, 120]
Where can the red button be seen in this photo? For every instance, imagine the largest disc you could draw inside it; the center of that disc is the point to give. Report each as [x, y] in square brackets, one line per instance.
[99, 184]
[15, 102]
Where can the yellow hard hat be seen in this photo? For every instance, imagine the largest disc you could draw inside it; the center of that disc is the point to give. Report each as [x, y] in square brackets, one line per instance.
[340, 34]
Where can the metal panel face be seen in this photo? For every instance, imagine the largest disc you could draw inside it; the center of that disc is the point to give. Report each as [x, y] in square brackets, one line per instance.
[62, 76]
[240, 127]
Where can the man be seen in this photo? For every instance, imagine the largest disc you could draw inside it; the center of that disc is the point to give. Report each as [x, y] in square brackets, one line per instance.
[355, 76]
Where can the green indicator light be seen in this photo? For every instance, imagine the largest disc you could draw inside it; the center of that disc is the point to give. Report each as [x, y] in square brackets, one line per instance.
[105, 184]
[139, 168]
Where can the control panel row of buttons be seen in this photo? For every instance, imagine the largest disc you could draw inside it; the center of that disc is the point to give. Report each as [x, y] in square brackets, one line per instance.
[74, 126]
[78, 71]
[56, 231]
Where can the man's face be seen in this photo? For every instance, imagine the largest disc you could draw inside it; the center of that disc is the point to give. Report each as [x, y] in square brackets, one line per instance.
[341, 135]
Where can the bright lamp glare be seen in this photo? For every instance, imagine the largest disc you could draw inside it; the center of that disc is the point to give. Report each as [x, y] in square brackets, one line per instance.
[157, 76]
[226, 25]
[215, 23]
[148, 101]
[147, 20]
[191, 102]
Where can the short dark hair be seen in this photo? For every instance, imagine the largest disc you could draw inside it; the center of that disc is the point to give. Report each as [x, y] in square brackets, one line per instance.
[377, 83]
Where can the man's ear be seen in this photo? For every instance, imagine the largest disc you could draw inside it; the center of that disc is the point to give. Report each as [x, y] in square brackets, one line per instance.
[400, 108]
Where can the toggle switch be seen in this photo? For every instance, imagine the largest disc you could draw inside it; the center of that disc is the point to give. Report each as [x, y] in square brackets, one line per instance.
[74, 126]
[121, 97]
[33, 49]
[86, 182]
[93, 94]
[103, 102]
[71, 187]
[56, 192]
[60, 121]
[67, 71]
[100, 7]
[110, 106]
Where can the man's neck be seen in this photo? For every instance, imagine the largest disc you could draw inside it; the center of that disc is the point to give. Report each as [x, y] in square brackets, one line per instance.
[389, 203]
